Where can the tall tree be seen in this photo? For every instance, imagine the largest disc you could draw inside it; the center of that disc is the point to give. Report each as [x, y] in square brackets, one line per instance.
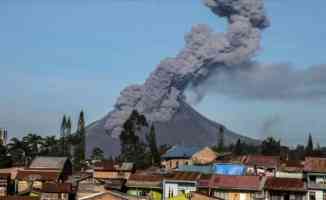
[97, 154]
[151, 141]
[132, 149]
[310, 146]
[237, 150]
[79, 149]
[63, 129]
[220, 141]
[68, 137]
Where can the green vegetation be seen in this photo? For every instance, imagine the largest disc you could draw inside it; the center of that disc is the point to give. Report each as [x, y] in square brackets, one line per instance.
[133, 148]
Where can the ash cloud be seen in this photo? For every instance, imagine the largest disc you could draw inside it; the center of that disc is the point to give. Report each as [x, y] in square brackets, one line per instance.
[266, 82]
[160, 96]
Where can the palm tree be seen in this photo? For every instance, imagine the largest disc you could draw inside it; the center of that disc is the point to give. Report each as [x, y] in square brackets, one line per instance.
[18, 149]
[34, 143]
[50, 146]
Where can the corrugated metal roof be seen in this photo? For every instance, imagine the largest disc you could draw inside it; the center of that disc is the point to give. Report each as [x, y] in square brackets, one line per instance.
[315, 164]
[285, 184]
[260, 160]
[43, 162]
[38, 175]
[183, 176]
[181, 152]
[57, 188]
[250, 183]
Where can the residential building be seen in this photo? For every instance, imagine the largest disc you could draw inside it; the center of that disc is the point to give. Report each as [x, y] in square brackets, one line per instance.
[261, 165]
[285, 189]
[177, 156]
[290, 169]
[43, 170]
[57, 191]
[315, 175]
[112, 174]
[204, 156]
[4, 183]
[143, 184]
[232, 187]
[180, 184]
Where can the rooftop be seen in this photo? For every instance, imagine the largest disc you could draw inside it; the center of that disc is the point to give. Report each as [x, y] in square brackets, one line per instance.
[181, 152]
[261, 161]
[314, 164]
[183, 176]
[109, 165]
[44, 162]
[285, 184]
[38, 175]
[57, 188]
[251, 183]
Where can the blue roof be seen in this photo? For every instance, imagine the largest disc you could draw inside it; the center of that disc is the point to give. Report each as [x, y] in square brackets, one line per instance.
[229, 169]
[181, 152]
[205, 169]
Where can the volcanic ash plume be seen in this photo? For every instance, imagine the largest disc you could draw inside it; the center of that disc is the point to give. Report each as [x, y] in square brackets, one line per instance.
[160, 96]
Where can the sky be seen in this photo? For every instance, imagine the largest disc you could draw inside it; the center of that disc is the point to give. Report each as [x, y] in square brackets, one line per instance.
[58, 57]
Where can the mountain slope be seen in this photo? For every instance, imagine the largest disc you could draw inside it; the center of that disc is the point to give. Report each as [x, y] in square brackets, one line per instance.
[187, 127]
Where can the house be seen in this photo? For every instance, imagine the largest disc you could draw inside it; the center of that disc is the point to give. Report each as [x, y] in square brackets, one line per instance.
[112, 174]
[315, 174]
[178, 155]
[261, 165]
[179, 184]
[43, 170]
[144, 184]
[290, 169]
[4, 183]
[57, 191]
[204, 156]
[232, 187]
[285, 189]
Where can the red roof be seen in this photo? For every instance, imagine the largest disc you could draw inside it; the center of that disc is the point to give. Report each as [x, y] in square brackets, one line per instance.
[38, 175]
[291, 166]
[251, 183]
[183, 176]
[263, 161]
[57, 188]
[5, 176]
[315, 164]
[285, 184]
[18, 198]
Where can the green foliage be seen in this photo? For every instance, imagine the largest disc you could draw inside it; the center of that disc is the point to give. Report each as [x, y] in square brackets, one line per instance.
[5, 160]
[97, 154]
[271, 147]
[220, 142]
[132, 148]
[310, 146]
[151, 141]
[80, 143]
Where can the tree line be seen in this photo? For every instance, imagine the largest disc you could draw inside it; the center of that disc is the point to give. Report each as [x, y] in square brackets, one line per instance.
[20, 152]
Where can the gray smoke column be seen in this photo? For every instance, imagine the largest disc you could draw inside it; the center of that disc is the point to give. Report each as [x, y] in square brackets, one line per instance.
[160, 96]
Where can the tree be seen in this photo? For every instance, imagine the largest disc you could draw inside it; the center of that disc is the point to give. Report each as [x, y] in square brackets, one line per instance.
[132, 149]
[151, 141]
[50, 146]
[220, 142]
[310, 146]
[79, 150]
[271, 147]
[97, 154]
[18, 150]
[238, 148]
[5, 160]
[33, 143]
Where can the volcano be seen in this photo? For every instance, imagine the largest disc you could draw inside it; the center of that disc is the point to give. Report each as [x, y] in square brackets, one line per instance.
[186, 127]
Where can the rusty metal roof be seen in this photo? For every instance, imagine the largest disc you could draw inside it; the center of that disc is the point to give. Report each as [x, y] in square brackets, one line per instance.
[260, 160]
[314, 164]
[38, 175]
[285, 184]
[57, 188]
